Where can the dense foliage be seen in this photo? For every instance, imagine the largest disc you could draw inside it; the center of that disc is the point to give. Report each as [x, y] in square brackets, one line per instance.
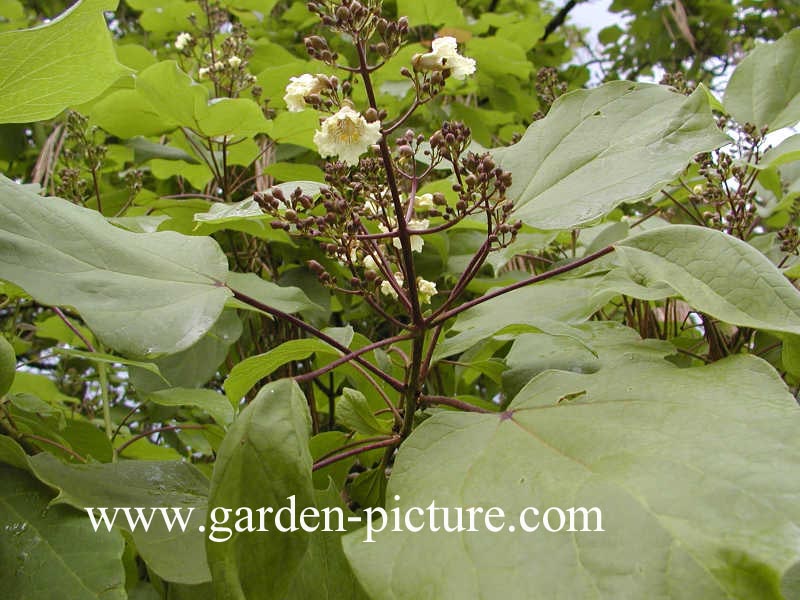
[368, 254]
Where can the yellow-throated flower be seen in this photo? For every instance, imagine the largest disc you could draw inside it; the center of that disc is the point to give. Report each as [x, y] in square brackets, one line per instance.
[347, 135]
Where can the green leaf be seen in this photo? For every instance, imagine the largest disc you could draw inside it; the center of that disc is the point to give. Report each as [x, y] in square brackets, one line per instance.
[555, 304]
[285, 171]
[193, 367]
[11, 453]
[185, 103]
[716, 274]
[633, 138]
[8, 365]
[219, 212]
[673, 458]
[612, 346]
[141, 294]
[295, 128]
[620, 281]
[110, 359]
[251, 370]
[765, 87]
[244, 215]
[498, 56]
[325, 573]
[214, 403]
[790, 355]
[610, 34]
[262, 462]
[173, 93]
[87, 439]
[127, 114]
[144, 150]
[288, 299]
[232, 117]
[441, 12]
[324, 444]
[42, 387]
[53, 552]
[175, 555]
[353, 411]
[785, 152]
[65, 62]
[54, 328]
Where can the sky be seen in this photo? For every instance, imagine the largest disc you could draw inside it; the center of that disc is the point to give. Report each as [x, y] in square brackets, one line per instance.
[593, 14]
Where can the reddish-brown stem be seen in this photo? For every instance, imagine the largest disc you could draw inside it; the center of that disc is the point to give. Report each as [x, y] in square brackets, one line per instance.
[150, 432]
[379, 309]
[402, 119]
[50, 442]
[392, 441]
[469, 273]
[350, 356]
[426, 364]
[299, 323]
[453, 403]
[405, 237]
[73, 328]
[520, 284]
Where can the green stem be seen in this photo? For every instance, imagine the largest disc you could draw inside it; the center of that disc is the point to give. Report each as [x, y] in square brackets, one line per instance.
[102, 374]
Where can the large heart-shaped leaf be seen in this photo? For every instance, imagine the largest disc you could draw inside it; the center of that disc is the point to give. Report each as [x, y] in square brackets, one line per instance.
[716, 273]
[694, 472]
[53, 552]
[141, 293]
[65, 62]
[263, 461]
[765, 87]
[598, 148]
[174, 555]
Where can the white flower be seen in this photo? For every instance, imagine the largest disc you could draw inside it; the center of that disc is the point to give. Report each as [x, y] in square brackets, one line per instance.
[300, 87]
[423, 202]
[426, 290]
[346, 135]
[388, 290]
[183, 40]
[203, 72]
[218, 66]
[234, 61]
[417, 241]
[445, 56]
[370, 264]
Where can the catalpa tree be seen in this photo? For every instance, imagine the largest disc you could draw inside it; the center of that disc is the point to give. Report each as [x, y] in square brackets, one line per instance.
[353, 300]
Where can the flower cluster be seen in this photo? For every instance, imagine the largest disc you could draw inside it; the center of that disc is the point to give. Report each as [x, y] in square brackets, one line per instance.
[371, 220]
[348, 134]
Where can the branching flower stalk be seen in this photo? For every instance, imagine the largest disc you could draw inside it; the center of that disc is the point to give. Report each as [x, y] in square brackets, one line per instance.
[370, 219]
